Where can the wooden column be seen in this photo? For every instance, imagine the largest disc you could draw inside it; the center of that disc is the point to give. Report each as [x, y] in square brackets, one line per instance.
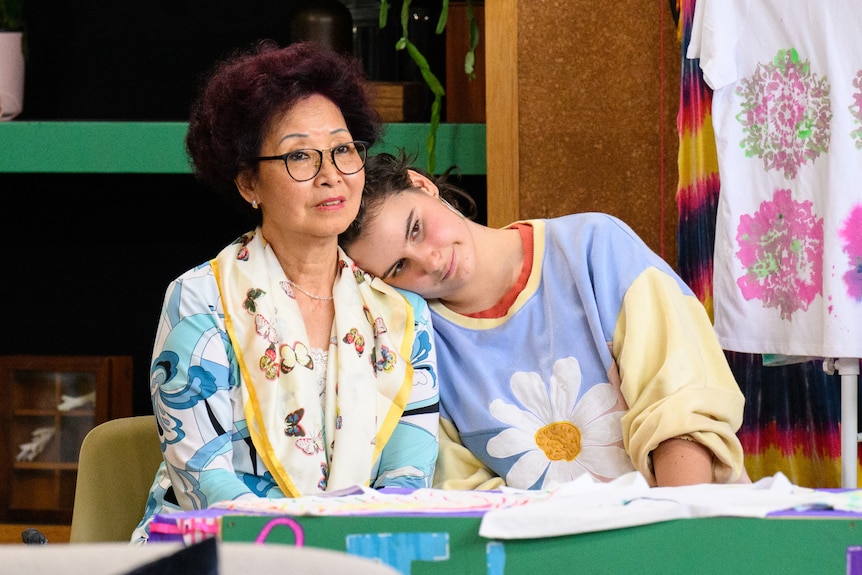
[501, 112]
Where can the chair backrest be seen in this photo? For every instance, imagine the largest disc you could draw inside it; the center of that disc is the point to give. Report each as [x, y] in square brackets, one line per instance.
[116, 469]
[168, 558]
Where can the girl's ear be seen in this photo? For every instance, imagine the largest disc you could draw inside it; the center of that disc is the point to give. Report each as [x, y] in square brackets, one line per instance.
[423, 183]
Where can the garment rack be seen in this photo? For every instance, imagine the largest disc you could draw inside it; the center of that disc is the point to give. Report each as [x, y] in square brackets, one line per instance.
[848, 369]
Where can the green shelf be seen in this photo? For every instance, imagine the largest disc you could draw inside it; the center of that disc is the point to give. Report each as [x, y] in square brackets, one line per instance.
[158, 148]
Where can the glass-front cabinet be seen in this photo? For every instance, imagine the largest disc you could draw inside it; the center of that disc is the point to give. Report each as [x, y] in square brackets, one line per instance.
[51, 404]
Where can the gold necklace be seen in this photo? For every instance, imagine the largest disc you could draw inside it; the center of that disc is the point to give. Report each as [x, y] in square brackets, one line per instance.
[309, 294]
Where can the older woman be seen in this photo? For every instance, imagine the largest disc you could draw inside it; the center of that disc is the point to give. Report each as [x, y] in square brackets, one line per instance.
[279, 368]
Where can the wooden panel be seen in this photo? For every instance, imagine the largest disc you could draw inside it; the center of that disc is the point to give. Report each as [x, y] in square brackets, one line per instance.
[11, 532]
[397, 101]
[465, 97]
[120, 402]
[587, 93]
[501, 117]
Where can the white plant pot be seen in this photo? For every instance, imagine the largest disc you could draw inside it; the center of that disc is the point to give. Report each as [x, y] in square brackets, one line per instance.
[11, 75]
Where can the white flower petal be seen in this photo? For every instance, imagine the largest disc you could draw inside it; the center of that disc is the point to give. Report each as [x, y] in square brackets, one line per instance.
[529, 389]
[605, 430]
[510, 442]
[515, 416]
[527, 470]
[562, 472]
[597, 400]
[565, 387]
[607, 461]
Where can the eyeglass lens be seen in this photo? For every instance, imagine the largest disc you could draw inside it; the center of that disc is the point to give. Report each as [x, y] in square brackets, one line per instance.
[305, 163]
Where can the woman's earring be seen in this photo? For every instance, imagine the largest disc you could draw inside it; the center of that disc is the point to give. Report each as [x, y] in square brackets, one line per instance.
[254, 204]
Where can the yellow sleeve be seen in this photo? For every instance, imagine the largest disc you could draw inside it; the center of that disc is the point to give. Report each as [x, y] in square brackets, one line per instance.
[675, 377]
[457, 467]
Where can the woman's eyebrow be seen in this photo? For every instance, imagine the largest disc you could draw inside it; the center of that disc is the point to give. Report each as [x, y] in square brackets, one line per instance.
[292, 136]
[302, 135]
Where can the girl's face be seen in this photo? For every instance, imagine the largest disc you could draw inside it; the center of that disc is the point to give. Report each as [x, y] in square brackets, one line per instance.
[320, 207]
[418, 243]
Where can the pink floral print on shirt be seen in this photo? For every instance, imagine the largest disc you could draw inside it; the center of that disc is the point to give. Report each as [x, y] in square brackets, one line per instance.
[851, 235]
[781, 250]
[785, 114]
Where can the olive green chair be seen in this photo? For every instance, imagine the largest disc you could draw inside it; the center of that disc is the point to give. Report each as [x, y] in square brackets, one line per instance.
[116, 468]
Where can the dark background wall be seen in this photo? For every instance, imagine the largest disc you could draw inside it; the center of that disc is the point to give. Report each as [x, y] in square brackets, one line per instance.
[133, 60]
[141, 60]
[88, 256]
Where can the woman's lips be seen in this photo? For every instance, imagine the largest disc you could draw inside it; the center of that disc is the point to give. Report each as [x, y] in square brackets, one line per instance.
[331, 203]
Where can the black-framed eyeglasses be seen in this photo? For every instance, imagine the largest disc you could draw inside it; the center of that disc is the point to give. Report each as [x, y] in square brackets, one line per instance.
[304, 164]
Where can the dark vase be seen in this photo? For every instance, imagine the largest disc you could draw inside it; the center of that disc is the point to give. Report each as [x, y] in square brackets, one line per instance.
[326, 22]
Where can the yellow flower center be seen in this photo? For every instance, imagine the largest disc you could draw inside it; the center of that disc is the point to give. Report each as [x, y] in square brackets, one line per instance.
[560, 441]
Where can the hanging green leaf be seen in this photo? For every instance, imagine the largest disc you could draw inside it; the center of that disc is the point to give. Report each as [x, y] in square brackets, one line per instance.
[384, 14]
[470, 58]
[405, 17]
[421, 62]
[438, 91]
[431, 141]
[444, 16]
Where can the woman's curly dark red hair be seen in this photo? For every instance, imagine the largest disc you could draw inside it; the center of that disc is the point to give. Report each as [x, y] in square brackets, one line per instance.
[241, 94]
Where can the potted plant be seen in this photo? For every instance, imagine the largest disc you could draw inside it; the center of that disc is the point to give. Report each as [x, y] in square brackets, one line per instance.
[11, 58]
[421, 62]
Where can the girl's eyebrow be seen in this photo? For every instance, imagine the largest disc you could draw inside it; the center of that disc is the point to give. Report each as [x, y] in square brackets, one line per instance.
[408, 226]
[388, 272]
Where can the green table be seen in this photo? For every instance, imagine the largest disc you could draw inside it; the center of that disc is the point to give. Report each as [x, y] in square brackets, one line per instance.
[452, 546]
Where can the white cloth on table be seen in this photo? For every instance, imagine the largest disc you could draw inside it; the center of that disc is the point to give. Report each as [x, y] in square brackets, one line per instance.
[586, 505]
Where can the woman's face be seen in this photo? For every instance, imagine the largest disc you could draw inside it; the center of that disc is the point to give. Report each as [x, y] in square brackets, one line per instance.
[418, 243]
[321, 207]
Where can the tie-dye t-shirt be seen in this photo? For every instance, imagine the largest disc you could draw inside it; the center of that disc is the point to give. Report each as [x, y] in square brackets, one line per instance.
[787, 113]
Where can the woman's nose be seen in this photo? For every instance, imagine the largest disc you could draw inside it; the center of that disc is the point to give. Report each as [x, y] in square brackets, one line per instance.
[327, 162]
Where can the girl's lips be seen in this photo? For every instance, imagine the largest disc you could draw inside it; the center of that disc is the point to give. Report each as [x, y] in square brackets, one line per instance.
[450, 268]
